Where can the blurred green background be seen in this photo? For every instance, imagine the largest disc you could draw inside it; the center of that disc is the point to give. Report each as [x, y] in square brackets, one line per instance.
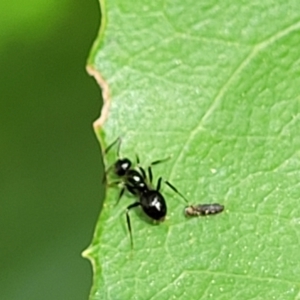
[50, 178]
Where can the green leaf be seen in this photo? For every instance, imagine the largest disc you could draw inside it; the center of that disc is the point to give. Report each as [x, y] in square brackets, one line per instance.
[214, 85]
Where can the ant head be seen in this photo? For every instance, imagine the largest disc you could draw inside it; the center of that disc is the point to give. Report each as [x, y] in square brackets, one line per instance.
[122, 166]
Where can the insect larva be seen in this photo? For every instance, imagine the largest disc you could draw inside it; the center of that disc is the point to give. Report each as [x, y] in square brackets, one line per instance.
[203, 209]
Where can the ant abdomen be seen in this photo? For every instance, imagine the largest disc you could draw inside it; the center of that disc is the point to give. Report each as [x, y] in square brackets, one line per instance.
[154, 205]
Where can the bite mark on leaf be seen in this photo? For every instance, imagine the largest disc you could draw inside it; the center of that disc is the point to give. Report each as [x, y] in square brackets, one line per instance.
[105, 95]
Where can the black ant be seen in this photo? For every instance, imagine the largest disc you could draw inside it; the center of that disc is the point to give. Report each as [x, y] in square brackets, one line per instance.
[203, 209]
[152, 202]
[136, 182]
[133, 180]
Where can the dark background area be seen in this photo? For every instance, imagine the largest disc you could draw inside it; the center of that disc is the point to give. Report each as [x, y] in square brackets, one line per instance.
[50, 178]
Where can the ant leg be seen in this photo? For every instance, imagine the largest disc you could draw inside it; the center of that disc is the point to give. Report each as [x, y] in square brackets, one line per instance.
[106, 172]
[143, 173]
[137, 159]
[158, 184]
[106, 151]
[156, 162]
[128, 220]
[114, 183]
[175, 190]
[119, 146]
[140, 168]
[120, 195]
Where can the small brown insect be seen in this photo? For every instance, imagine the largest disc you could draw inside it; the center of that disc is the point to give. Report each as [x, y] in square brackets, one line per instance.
[203, 209]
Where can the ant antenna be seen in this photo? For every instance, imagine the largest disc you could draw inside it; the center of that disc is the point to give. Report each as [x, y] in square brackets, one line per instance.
[112, 144]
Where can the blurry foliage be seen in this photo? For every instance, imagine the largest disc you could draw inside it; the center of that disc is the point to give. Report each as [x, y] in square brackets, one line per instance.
[30, 20]
[50, 164]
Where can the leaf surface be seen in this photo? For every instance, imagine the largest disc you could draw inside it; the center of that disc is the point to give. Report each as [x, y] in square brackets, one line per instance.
[215, 86]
